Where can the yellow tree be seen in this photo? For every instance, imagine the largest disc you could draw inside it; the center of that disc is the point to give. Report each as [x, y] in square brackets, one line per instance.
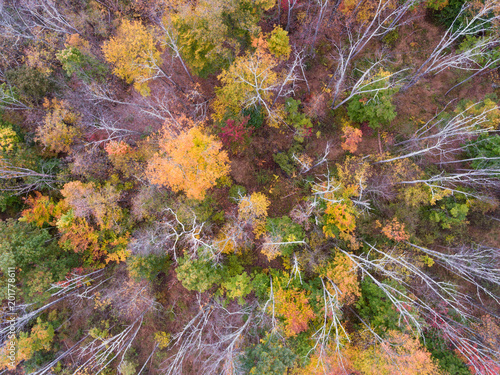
[252, 82]
[253, 210]
[134, 55]
[399, 351]
[342, 274]
[279, 43]
[58, 131]
[191, 162]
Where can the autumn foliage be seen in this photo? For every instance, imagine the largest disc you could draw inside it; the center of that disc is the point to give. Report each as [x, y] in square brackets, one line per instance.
[293, 305]
[191, 162]
[351, 138]
[343, 279]
[395, 230]
[59, 130]
[134, 54]
[253, 210]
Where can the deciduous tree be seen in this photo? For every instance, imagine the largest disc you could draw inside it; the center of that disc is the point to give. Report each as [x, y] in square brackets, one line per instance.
[134, 55]
[190, 162]
[252, 82]
[293, 305]
[59, 130]
[253, 210]
[351, 137]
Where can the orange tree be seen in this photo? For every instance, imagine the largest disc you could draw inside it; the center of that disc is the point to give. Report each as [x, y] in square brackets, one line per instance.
[191, 162]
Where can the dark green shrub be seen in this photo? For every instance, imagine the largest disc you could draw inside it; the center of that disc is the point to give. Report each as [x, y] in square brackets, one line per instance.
[236, 192]
[446, 358]
[256, 116]
[270, 358]
[147, 267]
[32, 85]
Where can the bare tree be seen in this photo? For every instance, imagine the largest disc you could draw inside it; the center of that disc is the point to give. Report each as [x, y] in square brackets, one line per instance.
[211, 338]
[477, 23]
[306, 167]
[19, 180]
[26, 19]
[323, 6]
[171, 41]
[171, 233]
[385, 18]
[398, 265]
[76, 286]
[10, 100]
[439, 136]
[474, 264]
[107, 130]
[365, 84]
[102, 351]
[331, 330]
[487, 179]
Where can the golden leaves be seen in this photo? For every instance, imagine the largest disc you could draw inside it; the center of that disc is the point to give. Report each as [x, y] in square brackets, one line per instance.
[190, 162]
[134, 54]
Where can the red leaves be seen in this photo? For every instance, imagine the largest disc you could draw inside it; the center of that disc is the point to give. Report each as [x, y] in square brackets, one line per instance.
[234, 132]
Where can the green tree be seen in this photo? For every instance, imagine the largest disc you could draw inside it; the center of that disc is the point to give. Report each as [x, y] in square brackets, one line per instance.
[31, 84]
[147, 267]
[375, 104]
[270, 358]
[376, 308]
[212, 32]
[449, 212]
[486, 151]
[279, 43]
[301, 123]
[197, 274]
[83, 65]
[36, 256]
[238, 286]
[280, 232]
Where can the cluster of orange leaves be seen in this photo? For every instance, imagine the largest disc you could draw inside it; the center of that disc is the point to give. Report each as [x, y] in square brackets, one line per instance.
[399, 353]
[69, 216]
[395, 230]
[351, 137]
[293, 305]
[342, 273]
[121, 155]
[42, 210]
[40, 338]
[191, 162]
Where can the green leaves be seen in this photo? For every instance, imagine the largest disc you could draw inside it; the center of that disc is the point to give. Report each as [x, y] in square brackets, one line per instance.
[238, 286]
[270, 358]
[82, 65]
[449, 213]
[486, 148]
[374, 105]
[36, 256]
[301, 123]
[197, 274]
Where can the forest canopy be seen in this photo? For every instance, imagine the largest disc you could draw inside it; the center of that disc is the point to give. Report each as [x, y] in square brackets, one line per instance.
[250, 187]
